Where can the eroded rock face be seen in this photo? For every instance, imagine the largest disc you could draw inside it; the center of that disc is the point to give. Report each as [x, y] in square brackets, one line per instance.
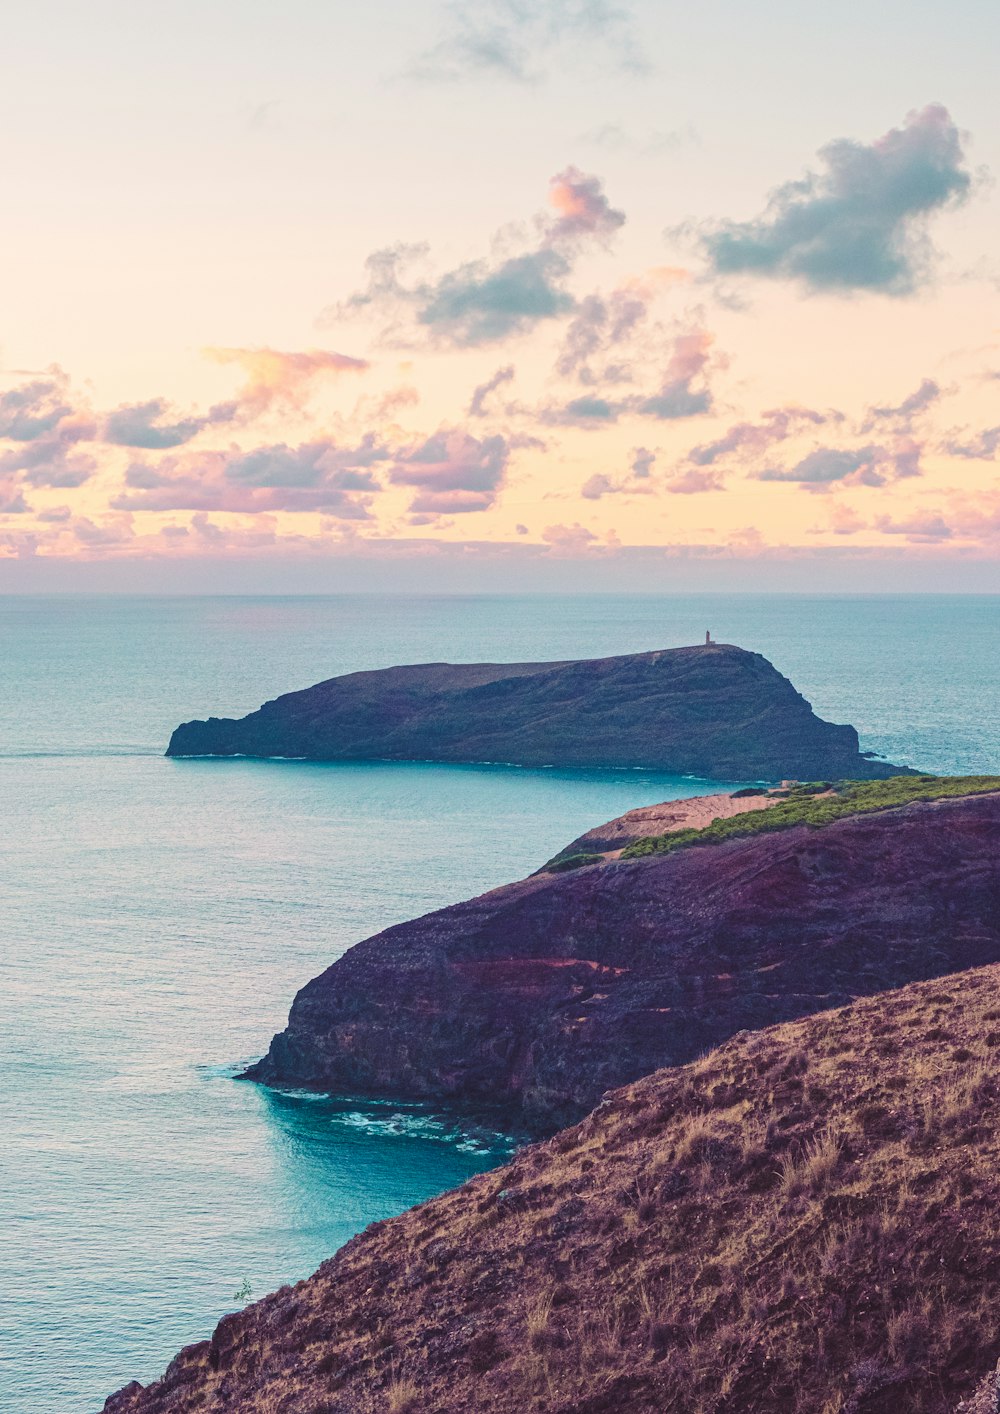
[986, 1399]
[536, 998]
[715, 711]
[802, 1220]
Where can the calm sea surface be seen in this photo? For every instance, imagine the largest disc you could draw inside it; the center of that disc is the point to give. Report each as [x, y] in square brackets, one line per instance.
[158, 917]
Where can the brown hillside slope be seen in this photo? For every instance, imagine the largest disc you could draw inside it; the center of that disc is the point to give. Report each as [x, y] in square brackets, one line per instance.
[538, 997]
[806, 1221]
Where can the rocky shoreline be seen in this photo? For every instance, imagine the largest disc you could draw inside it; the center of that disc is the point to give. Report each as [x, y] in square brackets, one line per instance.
[537, 997]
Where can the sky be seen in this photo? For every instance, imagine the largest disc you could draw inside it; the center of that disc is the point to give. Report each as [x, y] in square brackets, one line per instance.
[502, 294]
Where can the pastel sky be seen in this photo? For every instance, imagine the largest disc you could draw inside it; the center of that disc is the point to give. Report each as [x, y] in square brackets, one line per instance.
[511, 292]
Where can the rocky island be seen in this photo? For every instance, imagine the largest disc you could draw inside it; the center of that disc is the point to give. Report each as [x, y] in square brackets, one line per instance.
[715, 711]
[659, 941]
[803, 1220]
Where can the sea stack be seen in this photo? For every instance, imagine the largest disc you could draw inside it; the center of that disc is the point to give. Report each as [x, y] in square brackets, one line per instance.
[715, 711]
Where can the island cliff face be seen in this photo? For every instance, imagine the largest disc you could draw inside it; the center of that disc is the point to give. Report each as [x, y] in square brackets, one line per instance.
[714, 711]
[803, 1220]
[538, 997]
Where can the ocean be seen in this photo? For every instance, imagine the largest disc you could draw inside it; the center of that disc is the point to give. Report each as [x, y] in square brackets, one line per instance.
[158, 917]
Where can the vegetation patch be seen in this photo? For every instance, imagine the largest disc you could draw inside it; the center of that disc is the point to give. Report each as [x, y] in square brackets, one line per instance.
[818, 803]
[559, 865]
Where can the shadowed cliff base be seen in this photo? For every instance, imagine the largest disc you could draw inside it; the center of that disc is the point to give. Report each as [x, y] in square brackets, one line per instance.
[534, 999]
[802, 1221]
[714, 711]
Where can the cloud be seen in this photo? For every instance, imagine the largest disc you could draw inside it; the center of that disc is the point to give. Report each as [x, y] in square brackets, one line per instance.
[477, 304]
[569, 539]
[857, 466]
[12, 502]
[506, 38]
[116, 530]
[487, 300]
[481, 394]
[34, 409]
[642, 462]
[154, 426]
[636, 480]
[684, 391]
[600, 325]
[919, 530]
[45, 425]
[453, 472]
[314, 476]
[274, 376]
[584, 412]
[905, 413]
[982, 447]
[50, 461]
[42, 419]
[614, 327]
[824, 465]
[597, 486]
[694, 481]
[748, 439]
[583, 211]
[844, 521]
[859, 223]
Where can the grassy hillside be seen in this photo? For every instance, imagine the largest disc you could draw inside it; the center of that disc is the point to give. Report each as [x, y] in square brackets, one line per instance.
[802, 1222]
[816, 804]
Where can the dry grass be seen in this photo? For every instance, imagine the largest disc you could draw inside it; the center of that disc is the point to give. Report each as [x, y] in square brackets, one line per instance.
[802, 1222]
[401, 1396]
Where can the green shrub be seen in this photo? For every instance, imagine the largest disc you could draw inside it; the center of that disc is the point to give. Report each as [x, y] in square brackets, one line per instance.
[804, 806]
[571, 861]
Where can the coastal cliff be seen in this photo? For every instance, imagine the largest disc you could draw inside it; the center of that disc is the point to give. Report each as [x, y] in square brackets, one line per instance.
[802, 1220]
[714, 711]
[536, 998]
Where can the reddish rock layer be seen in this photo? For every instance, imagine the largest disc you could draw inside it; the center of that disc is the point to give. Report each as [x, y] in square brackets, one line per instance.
[803, 1222]
[538, 997]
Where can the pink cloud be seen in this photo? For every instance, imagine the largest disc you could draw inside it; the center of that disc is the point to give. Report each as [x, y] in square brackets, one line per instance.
[453, 472]
[694, 480]
[684, 390]
[569, 539]
[918, 529]
[582, 207]
[747, 439]
[313, 476]
[273, 376]
[12, 500]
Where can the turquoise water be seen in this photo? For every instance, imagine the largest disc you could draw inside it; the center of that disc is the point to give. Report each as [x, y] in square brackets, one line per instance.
[159, 915]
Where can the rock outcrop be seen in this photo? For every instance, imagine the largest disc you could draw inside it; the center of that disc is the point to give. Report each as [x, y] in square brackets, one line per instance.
[536, 998]
[714, 711]
[802, 1221]
[986, 1399]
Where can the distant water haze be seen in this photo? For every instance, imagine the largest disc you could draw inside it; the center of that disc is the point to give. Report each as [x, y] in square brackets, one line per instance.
[159, 916]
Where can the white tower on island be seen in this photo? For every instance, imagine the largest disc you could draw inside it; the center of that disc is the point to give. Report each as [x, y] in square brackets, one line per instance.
[708, 638]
